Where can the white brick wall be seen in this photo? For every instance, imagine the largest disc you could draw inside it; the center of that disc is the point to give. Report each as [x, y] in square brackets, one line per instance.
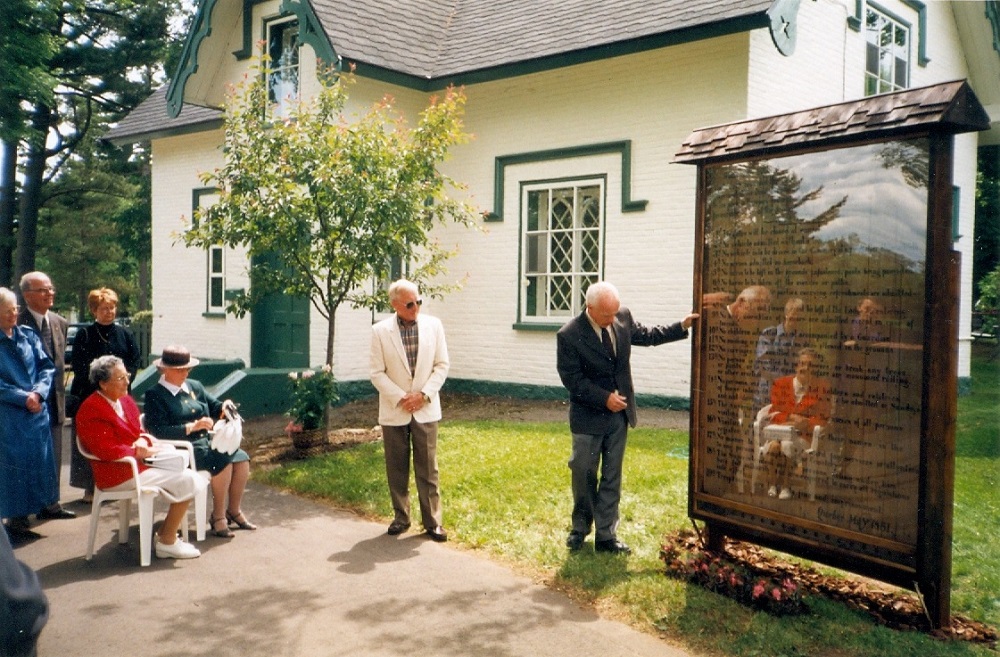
[653, 99]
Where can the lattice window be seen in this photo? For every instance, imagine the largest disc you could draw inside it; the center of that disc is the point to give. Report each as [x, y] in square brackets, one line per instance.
[563, 235]
[887, 53]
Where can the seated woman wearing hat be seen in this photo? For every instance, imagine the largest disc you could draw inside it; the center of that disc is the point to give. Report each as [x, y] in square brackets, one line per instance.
[108, 427]
[179, 408]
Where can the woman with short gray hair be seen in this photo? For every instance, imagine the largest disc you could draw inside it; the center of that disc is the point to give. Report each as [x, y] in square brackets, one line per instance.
[109, 428]
[101, 369]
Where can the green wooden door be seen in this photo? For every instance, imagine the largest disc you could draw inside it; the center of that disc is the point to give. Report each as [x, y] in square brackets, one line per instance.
[279, 332]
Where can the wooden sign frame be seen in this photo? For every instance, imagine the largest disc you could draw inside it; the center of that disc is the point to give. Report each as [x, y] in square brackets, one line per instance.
[830, 230]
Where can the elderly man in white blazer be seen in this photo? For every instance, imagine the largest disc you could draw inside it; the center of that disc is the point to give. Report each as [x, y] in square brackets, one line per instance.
[409, 364]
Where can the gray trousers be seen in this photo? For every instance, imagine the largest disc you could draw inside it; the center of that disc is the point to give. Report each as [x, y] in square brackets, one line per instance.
[595, 498]
[420, 440]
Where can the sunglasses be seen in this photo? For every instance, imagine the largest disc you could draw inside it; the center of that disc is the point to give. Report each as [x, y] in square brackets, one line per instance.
[410, 304]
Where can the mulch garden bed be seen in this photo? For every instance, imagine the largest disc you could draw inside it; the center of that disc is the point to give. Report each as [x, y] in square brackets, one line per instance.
[897, 609]
[269, 451]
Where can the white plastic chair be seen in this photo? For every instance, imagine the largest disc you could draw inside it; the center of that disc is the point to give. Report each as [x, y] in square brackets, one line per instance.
[144, 496]
[200, 503]
[809, 456]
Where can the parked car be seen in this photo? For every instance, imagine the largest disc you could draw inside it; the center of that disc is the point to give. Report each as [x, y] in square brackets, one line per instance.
[71, 332]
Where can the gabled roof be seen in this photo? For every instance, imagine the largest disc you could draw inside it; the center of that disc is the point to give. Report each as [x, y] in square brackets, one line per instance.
[439, 39]
[429, 44]
[149, 120]
[949, 107]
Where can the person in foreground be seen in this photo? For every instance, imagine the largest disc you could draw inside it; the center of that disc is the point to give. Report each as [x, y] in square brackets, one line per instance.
[179, 408]
[108, 426]
[23, 605]
[39, 295]
[593, 360]
[409, 364]
[27, 469]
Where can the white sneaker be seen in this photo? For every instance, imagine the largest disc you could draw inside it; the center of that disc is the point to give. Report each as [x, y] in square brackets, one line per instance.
[785, 494]
[177, 550]
[772, 492]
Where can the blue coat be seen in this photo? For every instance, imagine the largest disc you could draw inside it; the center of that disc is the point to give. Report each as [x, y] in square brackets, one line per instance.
[27, 469]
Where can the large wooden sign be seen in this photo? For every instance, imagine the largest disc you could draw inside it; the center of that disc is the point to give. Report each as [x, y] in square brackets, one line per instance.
[824, 382]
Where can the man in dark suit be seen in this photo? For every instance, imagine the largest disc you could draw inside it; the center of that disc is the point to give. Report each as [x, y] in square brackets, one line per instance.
[593, 360]
[39, 295]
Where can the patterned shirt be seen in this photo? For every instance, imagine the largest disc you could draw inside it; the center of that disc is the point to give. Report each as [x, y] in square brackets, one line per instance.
[408, 332]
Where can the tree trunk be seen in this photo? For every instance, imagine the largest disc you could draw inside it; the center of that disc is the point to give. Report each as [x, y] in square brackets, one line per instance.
[144, 284]
[331, 331]
[31, 191]
[8, 210]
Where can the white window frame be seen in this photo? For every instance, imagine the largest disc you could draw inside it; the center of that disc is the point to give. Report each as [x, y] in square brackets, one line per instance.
[204, 197]
[285, 74]
[884, 57]
[559, 261]
[216, 277]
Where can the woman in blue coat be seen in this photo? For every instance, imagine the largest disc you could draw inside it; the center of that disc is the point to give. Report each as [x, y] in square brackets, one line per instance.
[27, 468]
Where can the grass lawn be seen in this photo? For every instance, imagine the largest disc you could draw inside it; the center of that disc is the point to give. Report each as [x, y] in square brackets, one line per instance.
[505, 489]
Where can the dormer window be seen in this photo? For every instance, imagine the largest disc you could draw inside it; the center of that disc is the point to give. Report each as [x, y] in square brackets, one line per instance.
[283, 76]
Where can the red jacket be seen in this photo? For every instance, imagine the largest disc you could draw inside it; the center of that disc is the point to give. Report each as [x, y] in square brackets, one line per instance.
[109, 437]
[815, 404]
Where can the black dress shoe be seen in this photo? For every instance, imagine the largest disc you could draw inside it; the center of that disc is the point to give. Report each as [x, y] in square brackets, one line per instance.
[19, 525]
[396, 528]
[438, 534]
[574, 541]
[55, 513]
[19, 537]
[612, 545]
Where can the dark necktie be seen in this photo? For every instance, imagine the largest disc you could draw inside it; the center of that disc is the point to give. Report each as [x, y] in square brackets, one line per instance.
[47, 337]
[606, 341]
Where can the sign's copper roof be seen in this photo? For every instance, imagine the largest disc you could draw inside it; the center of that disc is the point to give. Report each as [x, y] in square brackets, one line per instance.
[949, 107]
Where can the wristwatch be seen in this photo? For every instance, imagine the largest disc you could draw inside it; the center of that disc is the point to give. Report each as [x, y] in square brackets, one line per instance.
[427, 399]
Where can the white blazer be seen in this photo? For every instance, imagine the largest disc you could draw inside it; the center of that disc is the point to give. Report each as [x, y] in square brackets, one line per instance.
[391, 375]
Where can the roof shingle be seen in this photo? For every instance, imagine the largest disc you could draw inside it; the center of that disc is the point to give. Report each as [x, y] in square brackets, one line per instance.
[949, 107]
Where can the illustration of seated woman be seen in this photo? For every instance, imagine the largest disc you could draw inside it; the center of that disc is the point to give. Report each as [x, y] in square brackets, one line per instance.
[799, 404]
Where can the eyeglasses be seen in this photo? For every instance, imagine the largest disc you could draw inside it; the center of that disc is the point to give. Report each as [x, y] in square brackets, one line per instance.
[410, 304]
[43, 290]
[123, 377]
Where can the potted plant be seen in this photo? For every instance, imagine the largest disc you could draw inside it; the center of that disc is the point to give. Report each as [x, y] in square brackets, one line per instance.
[312, 393]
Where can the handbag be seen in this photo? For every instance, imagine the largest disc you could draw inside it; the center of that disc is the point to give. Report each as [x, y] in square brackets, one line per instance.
[228, 431]
[171, 459]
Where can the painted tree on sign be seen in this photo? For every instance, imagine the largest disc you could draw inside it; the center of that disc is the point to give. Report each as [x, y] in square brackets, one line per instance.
[323, 202]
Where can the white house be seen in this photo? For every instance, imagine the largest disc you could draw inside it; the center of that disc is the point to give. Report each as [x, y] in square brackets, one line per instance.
[570, 103]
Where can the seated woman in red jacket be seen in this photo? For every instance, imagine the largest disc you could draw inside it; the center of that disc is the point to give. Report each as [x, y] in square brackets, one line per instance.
[108, 426]
[800, 402]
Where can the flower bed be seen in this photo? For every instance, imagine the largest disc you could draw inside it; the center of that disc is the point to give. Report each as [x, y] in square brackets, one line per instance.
[686, 560]
[894, 608]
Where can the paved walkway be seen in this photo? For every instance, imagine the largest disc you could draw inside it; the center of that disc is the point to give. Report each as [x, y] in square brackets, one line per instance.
[313, 581]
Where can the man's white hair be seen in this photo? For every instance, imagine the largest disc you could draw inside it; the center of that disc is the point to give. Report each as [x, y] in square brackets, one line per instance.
[398, 286]
[601, 290]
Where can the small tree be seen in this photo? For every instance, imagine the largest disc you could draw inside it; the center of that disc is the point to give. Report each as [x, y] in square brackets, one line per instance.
[324, 204]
